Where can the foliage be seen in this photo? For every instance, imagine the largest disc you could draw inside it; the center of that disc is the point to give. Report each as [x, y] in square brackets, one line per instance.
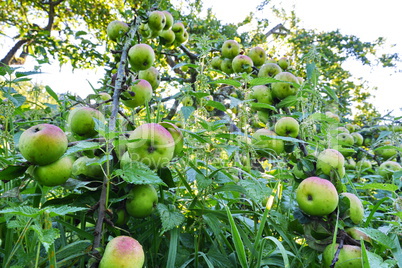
[222, 201]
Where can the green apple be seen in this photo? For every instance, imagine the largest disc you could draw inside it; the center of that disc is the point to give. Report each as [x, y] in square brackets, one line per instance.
[116, 30]
[333, 116]
[388, 153]
[274, 145]
[151, 144]
[363, 164]
[257, 55]
[81, 121]
[167, 37]
[283, 62]
[178, 28]
[242, 64]
[104, 96]
[358, 138]
[156, 21]
[230, 49]
[55, 173]
[123, 251]
[316, 196]
[43, 144]
[357, 234]
[330, 160]
[269, 69]
[260, 94]
[169, 20]
[287, 126]
[300, 79]
[350, 163]
[139, 94]
[351, 127]
[263, 116]
[141, 57]
[216, 63]
[86, 166]
[120, 216]
[187, 101]
[349, 256]
[144, 30]
[345, 139]
[181, 38]
[151, 75]
[356, 210]
[284, 89]
[177, 136]
[271, 60]
[387, 168]
[226, 66]
[141, 200]
[339, 130]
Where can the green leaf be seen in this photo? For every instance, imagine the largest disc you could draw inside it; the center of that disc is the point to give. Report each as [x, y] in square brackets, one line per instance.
[83, 146]
[264, 106]
[216, 105]
[290, 139]
[388, 147]
[181, 64]
[262, 81]
[238, 243]
[379, 186]
[63, 210]
[27, 211]
[138, 173]
[72, 251]
[174, 239]
[256, 190]
[79, 33]
[170, 217]
[234, 102]
[281, 249]
[53, 94]
[287, 102]
[202, 181]
[12, 172]
[378, 236]
[331, 93]
[22, 74]
[187, 111]
[46, 236]
[16, 99]
[226, 81]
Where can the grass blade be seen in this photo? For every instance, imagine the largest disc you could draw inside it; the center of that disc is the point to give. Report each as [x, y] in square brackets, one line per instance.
[238, 243]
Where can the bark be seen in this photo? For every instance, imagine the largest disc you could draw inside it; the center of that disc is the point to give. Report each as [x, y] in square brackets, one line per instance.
[11, 58]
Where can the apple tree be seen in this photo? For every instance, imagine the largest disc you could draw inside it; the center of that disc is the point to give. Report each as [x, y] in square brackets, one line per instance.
[201, 147]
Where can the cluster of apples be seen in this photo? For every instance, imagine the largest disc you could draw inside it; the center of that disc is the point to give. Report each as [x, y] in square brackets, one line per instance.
[264, 141]
[161, 24]
[255, 62]
[347, 138]
[141, 56]
[44, 146]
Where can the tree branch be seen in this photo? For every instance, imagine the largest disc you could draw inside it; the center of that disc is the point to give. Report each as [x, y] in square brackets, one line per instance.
[278, 29]
[112, 127]
[8, 59]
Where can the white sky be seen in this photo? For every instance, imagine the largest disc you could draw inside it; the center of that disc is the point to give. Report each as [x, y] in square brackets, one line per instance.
[366, 19]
